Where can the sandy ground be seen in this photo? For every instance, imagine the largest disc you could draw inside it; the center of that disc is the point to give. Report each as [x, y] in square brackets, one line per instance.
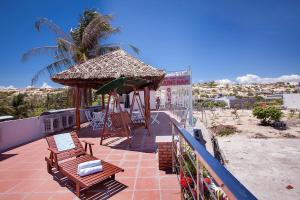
[264, 159]
[249, 125]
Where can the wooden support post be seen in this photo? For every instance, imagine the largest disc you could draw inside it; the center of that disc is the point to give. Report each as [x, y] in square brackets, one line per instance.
[103, 103]
[105, 120]
[77, 104]
[147, 107]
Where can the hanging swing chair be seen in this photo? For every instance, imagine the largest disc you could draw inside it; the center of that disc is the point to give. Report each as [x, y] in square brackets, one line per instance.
[122, 123]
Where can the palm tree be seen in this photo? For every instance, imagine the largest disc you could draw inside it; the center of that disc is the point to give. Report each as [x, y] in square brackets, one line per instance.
[19, 104]
[6, 108]
[82, 43]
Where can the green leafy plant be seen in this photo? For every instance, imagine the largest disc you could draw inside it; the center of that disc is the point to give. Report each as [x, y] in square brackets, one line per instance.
[20, 106]
[267, 114]
[292, 114]
[224, 130]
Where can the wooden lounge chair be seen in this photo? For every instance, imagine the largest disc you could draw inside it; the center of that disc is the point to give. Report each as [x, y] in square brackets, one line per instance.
[67, 162]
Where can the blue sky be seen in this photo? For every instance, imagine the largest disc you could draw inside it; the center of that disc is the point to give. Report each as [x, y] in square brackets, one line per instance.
[218, 39]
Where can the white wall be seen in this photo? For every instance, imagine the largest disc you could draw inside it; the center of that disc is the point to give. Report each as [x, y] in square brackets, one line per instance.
[291, 101]
[17, 132]
[152, 99]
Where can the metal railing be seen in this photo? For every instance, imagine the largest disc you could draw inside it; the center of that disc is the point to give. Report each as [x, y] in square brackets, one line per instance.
[200, 175]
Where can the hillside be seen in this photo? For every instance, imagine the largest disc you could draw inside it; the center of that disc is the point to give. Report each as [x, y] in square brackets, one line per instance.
[22, 103]
[212, 89]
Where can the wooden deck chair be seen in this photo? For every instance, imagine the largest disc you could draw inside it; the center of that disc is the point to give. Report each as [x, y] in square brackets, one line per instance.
[66, 161]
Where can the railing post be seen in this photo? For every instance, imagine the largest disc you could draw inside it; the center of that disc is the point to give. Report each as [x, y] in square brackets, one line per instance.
[173, 148]
[198, 179]
[200, 190]
[180, 164]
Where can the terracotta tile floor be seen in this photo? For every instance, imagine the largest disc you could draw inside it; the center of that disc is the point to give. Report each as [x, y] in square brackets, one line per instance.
[23, 173]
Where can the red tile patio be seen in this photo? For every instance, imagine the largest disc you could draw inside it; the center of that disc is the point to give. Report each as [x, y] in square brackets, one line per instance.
[23, 173]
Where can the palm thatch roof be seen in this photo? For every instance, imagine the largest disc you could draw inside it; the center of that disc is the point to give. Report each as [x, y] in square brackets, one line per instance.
[98, 71]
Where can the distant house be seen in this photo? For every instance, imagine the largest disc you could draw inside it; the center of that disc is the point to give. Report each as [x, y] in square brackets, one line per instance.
[225, 99]
[291, 101]
[271, 97]
[243, 103]
[233, 102]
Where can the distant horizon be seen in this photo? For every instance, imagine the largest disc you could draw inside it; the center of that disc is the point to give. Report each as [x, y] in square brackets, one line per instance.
[242, 80]
[223, 41]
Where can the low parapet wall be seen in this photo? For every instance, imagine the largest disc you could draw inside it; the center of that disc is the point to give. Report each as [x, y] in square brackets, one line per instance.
[14, 133]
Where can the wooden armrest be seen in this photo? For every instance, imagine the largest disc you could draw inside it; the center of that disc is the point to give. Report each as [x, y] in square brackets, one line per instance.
[53, 150]
[87, 142]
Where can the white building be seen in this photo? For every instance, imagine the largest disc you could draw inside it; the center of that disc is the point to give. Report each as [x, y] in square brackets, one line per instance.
[226, 99]
[291, 101]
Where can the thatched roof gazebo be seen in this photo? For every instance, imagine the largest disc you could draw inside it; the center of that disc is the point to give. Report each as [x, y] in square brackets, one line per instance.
[99, 71]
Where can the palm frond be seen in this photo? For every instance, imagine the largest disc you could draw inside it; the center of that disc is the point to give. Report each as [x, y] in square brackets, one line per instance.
[107, 48]
[52, 26]
[40, 50]
[98, 27]
[108, 17]
[65, 47]
[51, 69]
[106, 34]
[134, 48]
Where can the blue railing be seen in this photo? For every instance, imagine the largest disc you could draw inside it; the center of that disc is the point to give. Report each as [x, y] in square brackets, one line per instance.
[201, 176]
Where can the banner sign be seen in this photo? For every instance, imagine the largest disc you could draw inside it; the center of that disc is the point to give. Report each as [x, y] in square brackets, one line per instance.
[176, 80]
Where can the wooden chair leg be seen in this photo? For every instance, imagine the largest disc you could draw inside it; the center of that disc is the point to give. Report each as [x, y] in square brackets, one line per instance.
[49, 168]
[91, 151]
[78, 190]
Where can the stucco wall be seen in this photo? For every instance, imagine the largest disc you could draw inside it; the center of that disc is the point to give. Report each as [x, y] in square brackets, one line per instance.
[291, 101]
[152, 99]
[17, 132]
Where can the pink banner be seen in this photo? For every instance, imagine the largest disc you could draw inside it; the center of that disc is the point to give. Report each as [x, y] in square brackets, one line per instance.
[176, 80]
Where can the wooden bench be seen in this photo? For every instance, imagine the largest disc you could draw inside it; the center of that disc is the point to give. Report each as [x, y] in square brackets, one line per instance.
[67, 162]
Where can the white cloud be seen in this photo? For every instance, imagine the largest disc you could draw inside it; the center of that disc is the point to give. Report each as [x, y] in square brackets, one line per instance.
[252, 78]
[10, 87]
[46, 86]
[248, 78]
[224, 81]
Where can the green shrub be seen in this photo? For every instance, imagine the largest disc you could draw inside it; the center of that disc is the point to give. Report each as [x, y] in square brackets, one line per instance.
[267, 114]
[224, 130]
[292, 114]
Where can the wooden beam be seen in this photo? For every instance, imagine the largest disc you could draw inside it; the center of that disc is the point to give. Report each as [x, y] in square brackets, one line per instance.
[147, 106]
[103, 102]
[77, 104]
